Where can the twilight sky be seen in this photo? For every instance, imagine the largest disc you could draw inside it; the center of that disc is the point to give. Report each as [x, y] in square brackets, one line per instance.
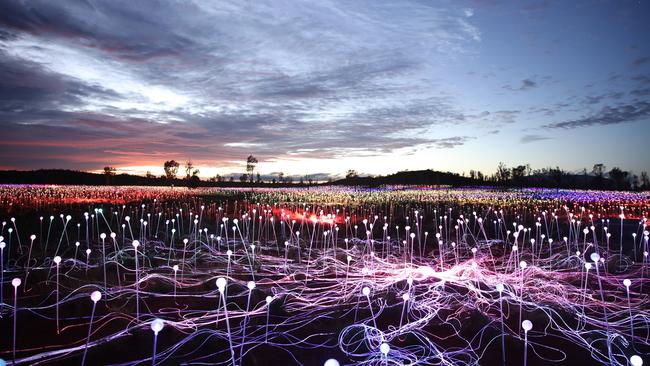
[324, 86]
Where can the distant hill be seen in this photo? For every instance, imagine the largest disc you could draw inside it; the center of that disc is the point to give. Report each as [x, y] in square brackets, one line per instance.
[415, 177]
[73, 177]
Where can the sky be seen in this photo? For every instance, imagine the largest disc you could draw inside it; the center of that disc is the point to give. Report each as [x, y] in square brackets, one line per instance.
[320, 87]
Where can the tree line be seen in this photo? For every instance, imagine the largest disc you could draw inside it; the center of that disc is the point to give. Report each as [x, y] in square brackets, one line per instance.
[517, 176]
[597, 178]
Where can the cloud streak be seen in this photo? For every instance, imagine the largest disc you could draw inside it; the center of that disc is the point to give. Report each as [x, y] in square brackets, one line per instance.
[608, 116]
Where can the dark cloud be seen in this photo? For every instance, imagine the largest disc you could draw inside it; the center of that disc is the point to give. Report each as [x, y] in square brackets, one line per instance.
[533, 138]
[526, 84]
[640, 61]
[27, 87]
[609, 116]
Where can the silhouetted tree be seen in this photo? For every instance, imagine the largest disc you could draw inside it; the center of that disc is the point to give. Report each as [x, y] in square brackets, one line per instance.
[503, 173]
[189, 167]
[243, 178]
[149, 175]
[280, 177]
[251, 162]
[619, 177]
[109, 171]
[351, 174]
[645, 182]
[171, 169]
[598, 170]
[194, 180]
[518, 174]
[557, 175]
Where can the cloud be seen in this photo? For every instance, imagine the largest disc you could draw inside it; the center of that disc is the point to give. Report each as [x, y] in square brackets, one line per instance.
[125, 80]
[450, 142]
[640, 61]
[526, 84]
[533, 138]
[609, 116]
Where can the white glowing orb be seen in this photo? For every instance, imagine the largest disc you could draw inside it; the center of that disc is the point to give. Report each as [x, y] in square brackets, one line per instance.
[96, 296]
[157, 325]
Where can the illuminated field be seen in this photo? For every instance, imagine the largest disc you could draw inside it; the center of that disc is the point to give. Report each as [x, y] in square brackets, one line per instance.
[300, 276]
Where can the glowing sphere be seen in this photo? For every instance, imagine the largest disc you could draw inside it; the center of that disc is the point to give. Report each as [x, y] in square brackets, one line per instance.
[331, 362]
[595, 257]
[57, 260]
[527, 325]
[32, 237]
[157, 325]
[229, 252]
[96, 296]
[406, 297]
[221, 283]
[102, 236]
[175, 267]
[636, 361]
[16, 282]
[269, 299]
[250, 285]
[365, 291]
[627, 282]
[500, 287]
[135, 243]
[2, 245]
[523, 264]
[384, 348]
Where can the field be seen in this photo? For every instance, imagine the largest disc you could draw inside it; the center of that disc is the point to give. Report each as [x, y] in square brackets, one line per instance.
[390, 276]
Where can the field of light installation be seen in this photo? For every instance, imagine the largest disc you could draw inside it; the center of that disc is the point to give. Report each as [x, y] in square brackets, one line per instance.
[391, 276]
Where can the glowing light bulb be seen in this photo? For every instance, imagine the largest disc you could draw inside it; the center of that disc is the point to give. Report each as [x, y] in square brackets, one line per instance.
[157, 325]
[221, 284]
[595, 257]
[96, 296]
